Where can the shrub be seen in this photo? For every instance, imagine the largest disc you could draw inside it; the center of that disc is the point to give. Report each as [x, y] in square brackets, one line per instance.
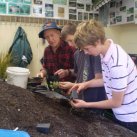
[4, 63]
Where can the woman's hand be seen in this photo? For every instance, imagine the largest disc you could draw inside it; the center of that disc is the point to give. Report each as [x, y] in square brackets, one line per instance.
[62, 73]
[42, 73]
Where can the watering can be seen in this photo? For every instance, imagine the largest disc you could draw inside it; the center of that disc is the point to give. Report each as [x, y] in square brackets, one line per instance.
[12, 133]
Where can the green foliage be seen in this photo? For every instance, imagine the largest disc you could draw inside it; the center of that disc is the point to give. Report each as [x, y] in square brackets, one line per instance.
[54, 84]
[4, 63]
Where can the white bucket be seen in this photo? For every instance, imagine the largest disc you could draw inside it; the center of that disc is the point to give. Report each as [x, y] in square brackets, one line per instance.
[17, 76]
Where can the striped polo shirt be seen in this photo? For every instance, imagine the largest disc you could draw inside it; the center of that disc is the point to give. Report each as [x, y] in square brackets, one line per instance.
[120, 74]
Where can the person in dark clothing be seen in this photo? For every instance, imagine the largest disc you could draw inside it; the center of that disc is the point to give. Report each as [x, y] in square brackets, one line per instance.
[86, 67]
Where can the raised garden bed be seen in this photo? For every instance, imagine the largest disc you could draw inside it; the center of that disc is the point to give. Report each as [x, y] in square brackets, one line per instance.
[24, 109]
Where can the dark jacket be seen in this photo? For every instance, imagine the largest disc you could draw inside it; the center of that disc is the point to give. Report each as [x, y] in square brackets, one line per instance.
[20, 49]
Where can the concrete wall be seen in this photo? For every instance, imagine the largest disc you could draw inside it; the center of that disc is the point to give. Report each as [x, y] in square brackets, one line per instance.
[113, 33]
[7, 33]
[124, 35]
[128, 38]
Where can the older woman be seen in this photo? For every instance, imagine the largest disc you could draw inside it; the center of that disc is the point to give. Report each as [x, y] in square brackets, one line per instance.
[58, 56]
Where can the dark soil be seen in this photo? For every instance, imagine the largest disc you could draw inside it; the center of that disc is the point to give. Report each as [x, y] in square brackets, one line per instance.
[24, 109]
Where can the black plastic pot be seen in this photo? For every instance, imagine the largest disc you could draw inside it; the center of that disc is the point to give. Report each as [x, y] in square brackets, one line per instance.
[34, 81]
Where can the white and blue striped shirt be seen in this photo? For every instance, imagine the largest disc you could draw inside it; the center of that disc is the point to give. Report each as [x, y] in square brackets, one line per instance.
[120, 74]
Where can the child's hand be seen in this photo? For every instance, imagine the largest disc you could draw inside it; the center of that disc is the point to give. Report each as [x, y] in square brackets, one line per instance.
[77, 103]
[66, 85]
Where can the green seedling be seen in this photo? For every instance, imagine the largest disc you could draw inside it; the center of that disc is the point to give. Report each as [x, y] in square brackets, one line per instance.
[54, 84]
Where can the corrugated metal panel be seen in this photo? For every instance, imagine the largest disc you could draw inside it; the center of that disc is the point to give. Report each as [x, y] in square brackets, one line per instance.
[100, 4]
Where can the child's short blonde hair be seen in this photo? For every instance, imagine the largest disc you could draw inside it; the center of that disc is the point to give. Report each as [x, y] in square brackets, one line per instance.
[88, 33]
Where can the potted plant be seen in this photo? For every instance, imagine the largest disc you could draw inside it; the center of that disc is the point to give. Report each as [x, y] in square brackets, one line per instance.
[4, 63]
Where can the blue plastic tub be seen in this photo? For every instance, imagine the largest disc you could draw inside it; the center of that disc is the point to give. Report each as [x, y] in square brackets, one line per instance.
[12, 133]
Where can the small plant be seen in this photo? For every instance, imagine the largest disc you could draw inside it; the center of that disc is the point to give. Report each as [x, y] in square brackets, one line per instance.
[54, 84]
[4, 63]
